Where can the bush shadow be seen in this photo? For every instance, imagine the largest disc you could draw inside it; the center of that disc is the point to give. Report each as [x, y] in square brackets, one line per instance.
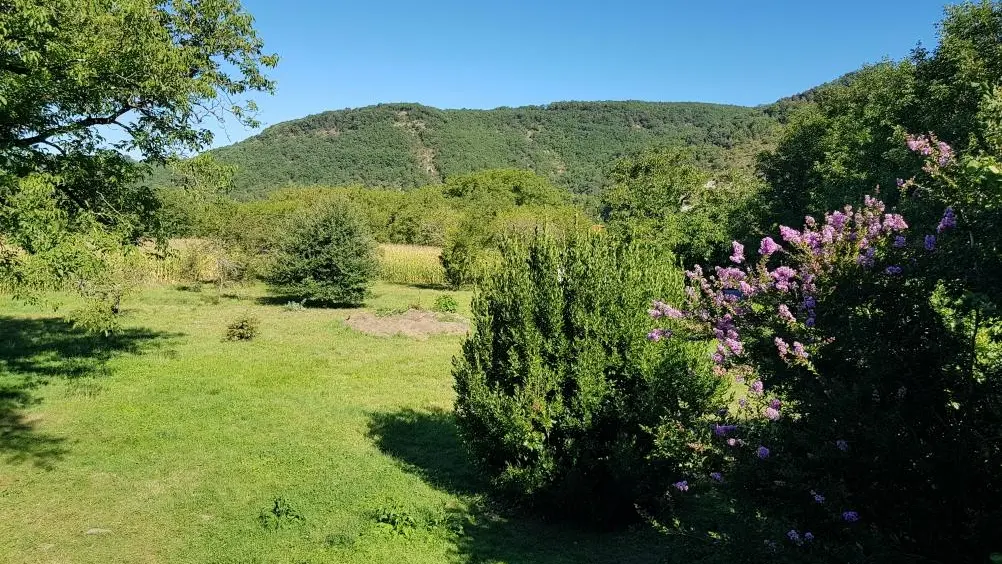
[281, 300]
[33, 352]
[427, 443]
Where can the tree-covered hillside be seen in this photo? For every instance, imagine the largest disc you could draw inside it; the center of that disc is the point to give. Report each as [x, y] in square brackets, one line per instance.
[407, 145]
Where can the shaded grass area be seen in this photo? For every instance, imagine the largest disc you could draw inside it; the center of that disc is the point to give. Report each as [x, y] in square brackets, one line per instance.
[427, 444]
[33, 351]
[311, 443]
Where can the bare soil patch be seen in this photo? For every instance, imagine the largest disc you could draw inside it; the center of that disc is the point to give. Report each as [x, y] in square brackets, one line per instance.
[414, 323]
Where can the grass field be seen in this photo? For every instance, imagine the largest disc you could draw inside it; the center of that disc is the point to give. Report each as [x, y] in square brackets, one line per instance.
[168, 445]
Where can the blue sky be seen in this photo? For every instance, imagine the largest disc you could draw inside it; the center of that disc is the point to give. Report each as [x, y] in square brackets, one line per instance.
[484, 54]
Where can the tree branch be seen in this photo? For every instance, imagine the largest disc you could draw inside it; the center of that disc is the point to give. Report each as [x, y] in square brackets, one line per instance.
[77, 126]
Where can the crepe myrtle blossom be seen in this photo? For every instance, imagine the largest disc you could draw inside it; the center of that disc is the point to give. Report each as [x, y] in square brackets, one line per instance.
[768, 247]
[794, 536]
[790, 235]
[785, 314]
[799, 351]
[658, 334]
[930, 243]
[723, 430]
[771, 413]
[762, 452]
[949, 220]
[682, 486]
[738, 256]
[783, 278]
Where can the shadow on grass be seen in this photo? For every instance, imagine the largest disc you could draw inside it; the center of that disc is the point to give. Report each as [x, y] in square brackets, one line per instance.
[281, 300]
[36, 351]
[427, 443]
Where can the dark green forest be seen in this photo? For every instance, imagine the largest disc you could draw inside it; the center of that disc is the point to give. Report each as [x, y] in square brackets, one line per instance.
[409, 145]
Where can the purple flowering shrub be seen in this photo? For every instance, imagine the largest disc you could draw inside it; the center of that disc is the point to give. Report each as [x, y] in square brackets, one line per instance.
[864, 415]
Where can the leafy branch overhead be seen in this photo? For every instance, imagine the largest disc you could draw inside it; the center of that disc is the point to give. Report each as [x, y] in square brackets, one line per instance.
[139, 75]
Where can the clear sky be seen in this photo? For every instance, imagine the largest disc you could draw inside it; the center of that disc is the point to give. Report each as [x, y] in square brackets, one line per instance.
[489, 53]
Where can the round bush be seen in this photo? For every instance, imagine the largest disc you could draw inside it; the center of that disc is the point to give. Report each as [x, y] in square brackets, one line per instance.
[329, 256]
[561, 399]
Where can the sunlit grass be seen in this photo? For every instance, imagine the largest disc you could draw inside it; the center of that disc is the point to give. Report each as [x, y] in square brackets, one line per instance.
[166, 444]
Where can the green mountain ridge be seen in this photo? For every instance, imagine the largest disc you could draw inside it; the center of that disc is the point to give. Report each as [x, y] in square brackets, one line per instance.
[407, 145]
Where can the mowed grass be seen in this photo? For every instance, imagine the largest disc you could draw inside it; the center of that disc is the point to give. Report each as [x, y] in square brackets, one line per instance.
[167, 444]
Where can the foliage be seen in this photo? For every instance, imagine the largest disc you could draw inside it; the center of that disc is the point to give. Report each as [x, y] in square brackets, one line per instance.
[445, 304]
[328, 256]
[83, 85]
[849, 138]
[558, 392]
[459, 256]
[397, 519]
[409, 145]
[280, 514]
[877, 375]
[663, 195]
[243, 328]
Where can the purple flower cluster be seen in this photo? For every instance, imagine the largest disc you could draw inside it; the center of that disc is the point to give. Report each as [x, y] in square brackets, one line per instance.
[745, 301]
[785, 314]
[738, 256]
[682, 486]
[928, 146]
[783, 277]
[768, 247]
[658, 334]
[723, 430]
[660, 309]
[949, 221]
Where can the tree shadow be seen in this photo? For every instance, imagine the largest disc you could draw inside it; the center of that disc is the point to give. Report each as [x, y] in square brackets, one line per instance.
[33, 352]
[427, 443]
[281, 300]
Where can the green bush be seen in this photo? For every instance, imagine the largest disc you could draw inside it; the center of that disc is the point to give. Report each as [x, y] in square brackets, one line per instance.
[328, 256]
[243, 328]
[459, 259]
[445, 304]
[560, 395]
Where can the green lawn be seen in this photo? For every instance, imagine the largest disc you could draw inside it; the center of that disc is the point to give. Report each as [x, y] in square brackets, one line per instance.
[167, 444]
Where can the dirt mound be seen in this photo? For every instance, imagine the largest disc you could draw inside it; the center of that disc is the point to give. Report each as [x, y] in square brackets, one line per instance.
[413, 323]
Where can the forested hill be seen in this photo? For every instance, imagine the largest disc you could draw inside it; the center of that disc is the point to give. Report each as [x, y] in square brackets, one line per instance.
[410, 145]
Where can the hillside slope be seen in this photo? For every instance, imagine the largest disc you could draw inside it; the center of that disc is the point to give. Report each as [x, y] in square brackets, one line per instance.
[407, 145]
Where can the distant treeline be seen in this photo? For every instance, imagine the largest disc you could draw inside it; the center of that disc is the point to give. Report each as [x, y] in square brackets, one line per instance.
[409, 145]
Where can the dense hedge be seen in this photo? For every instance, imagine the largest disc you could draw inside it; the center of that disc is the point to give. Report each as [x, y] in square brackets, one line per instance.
[560, 391]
